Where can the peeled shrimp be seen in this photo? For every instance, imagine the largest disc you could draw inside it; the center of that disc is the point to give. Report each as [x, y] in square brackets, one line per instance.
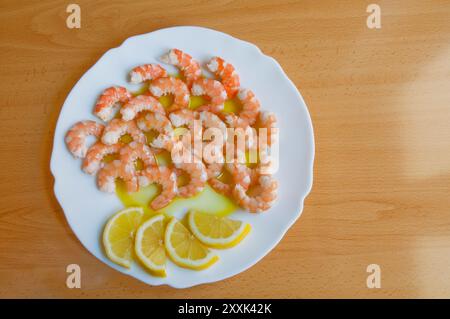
[227, 73]
[138, 104]
[220, 187]
[212, 121]
[118, 127]
[94, 156]
[161, 124]
[190, 119]
[214, 167]
[249, 112]
[239, 140]
[184, 117]
[268, 121]
[76, 136]
[197, 178]
[163, 176]
[240, 173]
[109, 102]
[214, 90]
[106, 178]
[178, 88]
[263, 196]
[190, 68]
[134, 151]
[147, 72]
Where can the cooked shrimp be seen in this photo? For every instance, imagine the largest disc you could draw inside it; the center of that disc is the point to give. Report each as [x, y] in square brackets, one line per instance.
[163, 176]
[213, 170]
[106, 178]
[161, 124]
[211, 120]
[110, 101]
[197, 178]
[263, 197]
[214, 166]
[214, 90]
[240, 173]
[184, 117]
[76, 136]
[220, 187]
[239, 140]
[190, 119]
[118, 127]
[95, 154]
[133, 151]
[178, 88]
[147, 72]
[268, 121]
[249, 113]
[227, 73]
[190, 68]
[138, 104]
[267, 160]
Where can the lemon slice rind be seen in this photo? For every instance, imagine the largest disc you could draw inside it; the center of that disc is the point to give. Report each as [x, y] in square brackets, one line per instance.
[220, 243]
[198, 264]
[107, 244]
[155, 269]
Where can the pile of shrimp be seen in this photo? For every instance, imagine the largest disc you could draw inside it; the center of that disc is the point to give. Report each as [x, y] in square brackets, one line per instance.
[123, 113]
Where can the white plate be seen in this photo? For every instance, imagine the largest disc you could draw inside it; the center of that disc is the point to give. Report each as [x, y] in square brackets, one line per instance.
[87, 209]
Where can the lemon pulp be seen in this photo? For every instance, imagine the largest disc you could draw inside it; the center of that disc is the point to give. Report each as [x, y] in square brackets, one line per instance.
[185, 249]
[149, 245]
[118, 235]
[217, 232]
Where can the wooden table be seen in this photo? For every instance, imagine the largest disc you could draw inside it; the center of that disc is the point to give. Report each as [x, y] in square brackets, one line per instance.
[380, 104]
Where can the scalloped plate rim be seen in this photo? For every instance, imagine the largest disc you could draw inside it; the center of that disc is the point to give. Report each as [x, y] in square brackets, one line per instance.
[302, 196]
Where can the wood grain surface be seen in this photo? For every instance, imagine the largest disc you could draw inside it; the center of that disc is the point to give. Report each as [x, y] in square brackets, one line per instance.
[380, 104]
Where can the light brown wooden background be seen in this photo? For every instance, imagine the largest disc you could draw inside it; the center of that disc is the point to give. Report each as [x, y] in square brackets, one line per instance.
[380, 105]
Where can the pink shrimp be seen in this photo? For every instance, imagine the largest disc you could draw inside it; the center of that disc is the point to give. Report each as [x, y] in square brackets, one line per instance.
[213, 148]
[268, 121]
[133, 151]
[197, 178]
[118, 127]
[163, 176]
[147, 72]
[190, 119]
[106, 178]
[214, 90]
[249, 113]
[110, 101]
[190, 68]
[178, 88]
[160, 123]
[240, 175]
[138, 104]
[227, 73]
[239, 140]
[263, 196]
[212, 121]
[76, 136]
[214, 165]
[94, 156]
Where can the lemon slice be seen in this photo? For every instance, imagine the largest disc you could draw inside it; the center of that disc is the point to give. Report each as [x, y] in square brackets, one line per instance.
[149, 245]
[217, 232]
[118, 236]
[185, 249]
